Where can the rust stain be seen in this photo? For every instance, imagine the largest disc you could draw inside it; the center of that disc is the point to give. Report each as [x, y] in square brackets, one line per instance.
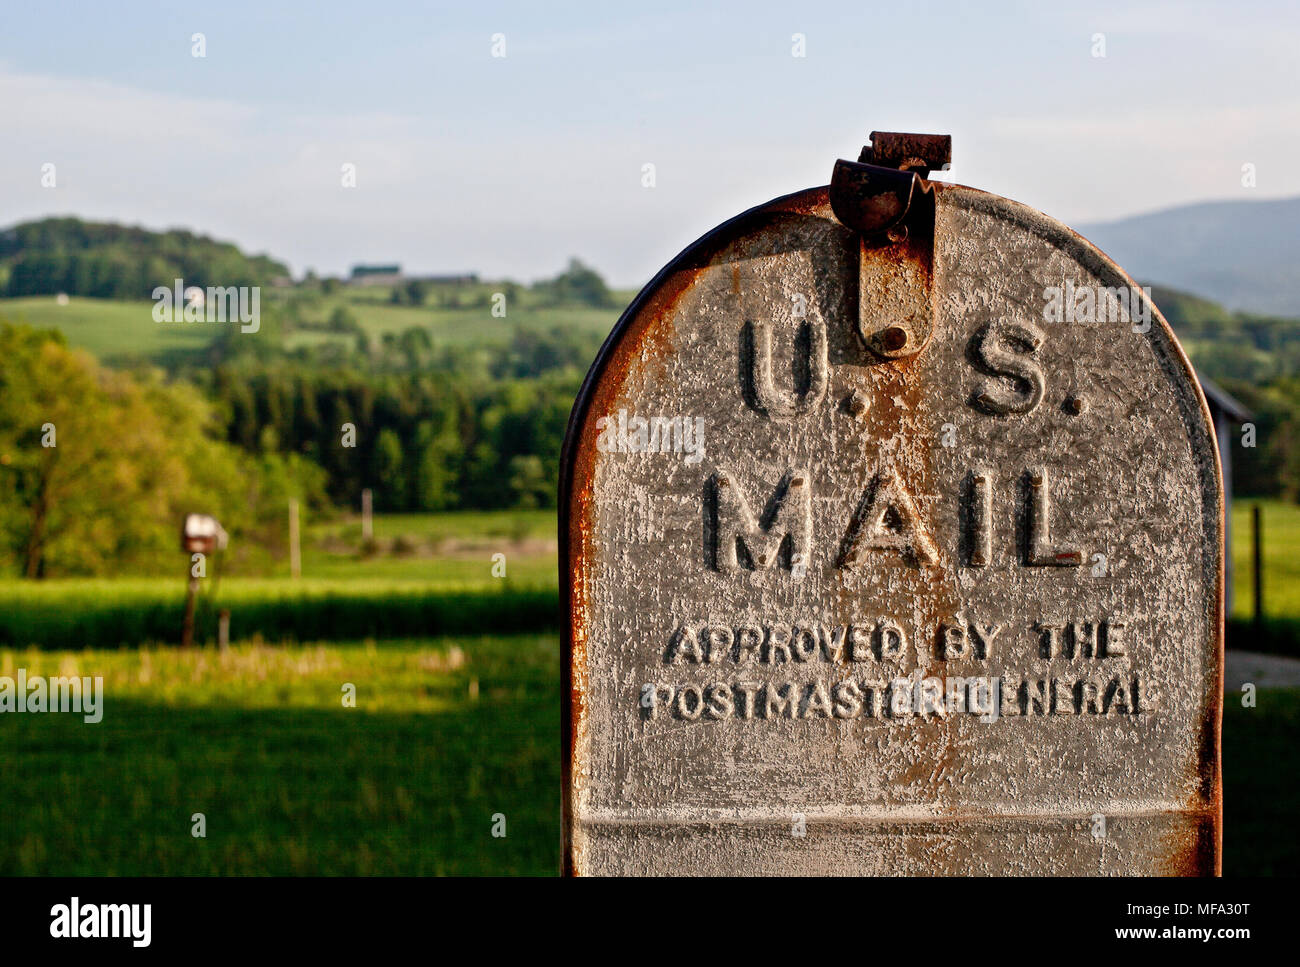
[644, 336]
[904, 267]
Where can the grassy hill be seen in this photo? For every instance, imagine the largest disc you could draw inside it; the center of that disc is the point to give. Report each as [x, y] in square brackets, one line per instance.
[119, 333]
[471, 323]
[109, 260]
[112, 331]
[104, 275]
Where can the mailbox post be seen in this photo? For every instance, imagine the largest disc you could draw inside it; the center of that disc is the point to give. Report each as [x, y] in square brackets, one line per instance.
[891, 542]
[200, 534]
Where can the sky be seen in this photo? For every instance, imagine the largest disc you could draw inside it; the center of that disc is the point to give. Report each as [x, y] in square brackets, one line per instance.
[509, 165]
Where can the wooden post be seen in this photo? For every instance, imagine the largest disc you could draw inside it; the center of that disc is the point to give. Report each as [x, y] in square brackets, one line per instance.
[295, 551]
[1257, 524]
[187, 626]
[223, 629]
[367, 515]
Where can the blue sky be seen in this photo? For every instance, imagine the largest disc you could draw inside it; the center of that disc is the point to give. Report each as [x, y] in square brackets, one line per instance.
[507, 166]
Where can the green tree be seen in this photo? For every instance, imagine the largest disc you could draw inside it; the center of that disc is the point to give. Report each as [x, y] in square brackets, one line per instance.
[437, 475]
[343, 319]
[389, 473]
[578, 283]
[97, 467]
[529, 483]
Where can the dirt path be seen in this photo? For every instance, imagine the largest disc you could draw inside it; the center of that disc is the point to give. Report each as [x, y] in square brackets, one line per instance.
[1265, 671]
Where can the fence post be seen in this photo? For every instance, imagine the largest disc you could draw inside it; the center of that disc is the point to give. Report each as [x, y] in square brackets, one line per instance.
[187, 626]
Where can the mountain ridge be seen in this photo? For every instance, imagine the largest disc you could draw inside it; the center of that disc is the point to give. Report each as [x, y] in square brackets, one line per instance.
[1241, 254]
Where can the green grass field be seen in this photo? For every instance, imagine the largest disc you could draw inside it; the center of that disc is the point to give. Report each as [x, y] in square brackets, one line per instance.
[457, 525]
[445, 735]
[1261, 759]
[1281, 559]
[105, 613]
[422, 574]
[118, 332]
[113, 332]
[454, 327]
[456, 548]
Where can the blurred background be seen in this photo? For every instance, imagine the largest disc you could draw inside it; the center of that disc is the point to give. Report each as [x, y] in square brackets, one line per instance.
[443, 213]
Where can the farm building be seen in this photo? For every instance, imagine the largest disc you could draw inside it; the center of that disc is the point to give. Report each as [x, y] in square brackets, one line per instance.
[1227, 413]
[375, 275]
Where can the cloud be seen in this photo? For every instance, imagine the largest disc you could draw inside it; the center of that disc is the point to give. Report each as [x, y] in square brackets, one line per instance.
[517, 172]
[1139, 160]
[437, 198]
[46, 109]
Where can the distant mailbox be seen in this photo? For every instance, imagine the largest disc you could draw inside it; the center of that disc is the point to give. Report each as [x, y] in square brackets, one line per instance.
[891, 539]
[201, 534]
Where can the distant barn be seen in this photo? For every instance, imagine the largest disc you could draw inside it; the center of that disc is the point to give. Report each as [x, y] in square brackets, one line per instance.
[375, 275]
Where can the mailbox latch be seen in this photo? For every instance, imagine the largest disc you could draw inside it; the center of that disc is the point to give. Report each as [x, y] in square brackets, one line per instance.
[874, 194]
[884, 198]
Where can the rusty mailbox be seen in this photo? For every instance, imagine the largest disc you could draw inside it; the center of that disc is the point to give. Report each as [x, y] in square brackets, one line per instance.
[891, 543]
[202, 534]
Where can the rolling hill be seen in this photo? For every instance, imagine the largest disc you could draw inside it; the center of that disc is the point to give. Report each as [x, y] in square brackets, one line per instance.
[1242, 254]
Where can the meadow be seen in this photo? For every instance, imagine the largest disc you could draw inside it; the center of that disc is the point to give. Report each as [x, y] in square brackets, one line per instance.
[444, 548]
[124, 332]
[442, 574]
[1279, 632]
[448, 739]
[1281, 552]
[112, 331]
[1260, 765]
[452, 326]
[421, 574]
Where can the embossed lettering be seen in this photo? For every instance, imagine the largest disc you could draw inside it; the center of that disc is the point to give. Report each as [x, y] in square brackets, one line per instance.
[762, 388]
[1004, 350]
[1040, 551]
[741, 540]
[887, 520]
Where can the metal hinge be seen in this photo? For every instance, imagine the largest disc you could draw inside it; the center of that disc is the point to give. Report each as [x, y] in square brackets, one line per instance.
[874, 194]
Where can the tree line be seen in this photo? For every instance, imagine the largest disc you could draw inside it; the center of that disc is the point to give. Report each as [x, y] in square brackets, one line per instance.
[1256, 359]
[424, 429]
[98, 467]
[110, 261]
